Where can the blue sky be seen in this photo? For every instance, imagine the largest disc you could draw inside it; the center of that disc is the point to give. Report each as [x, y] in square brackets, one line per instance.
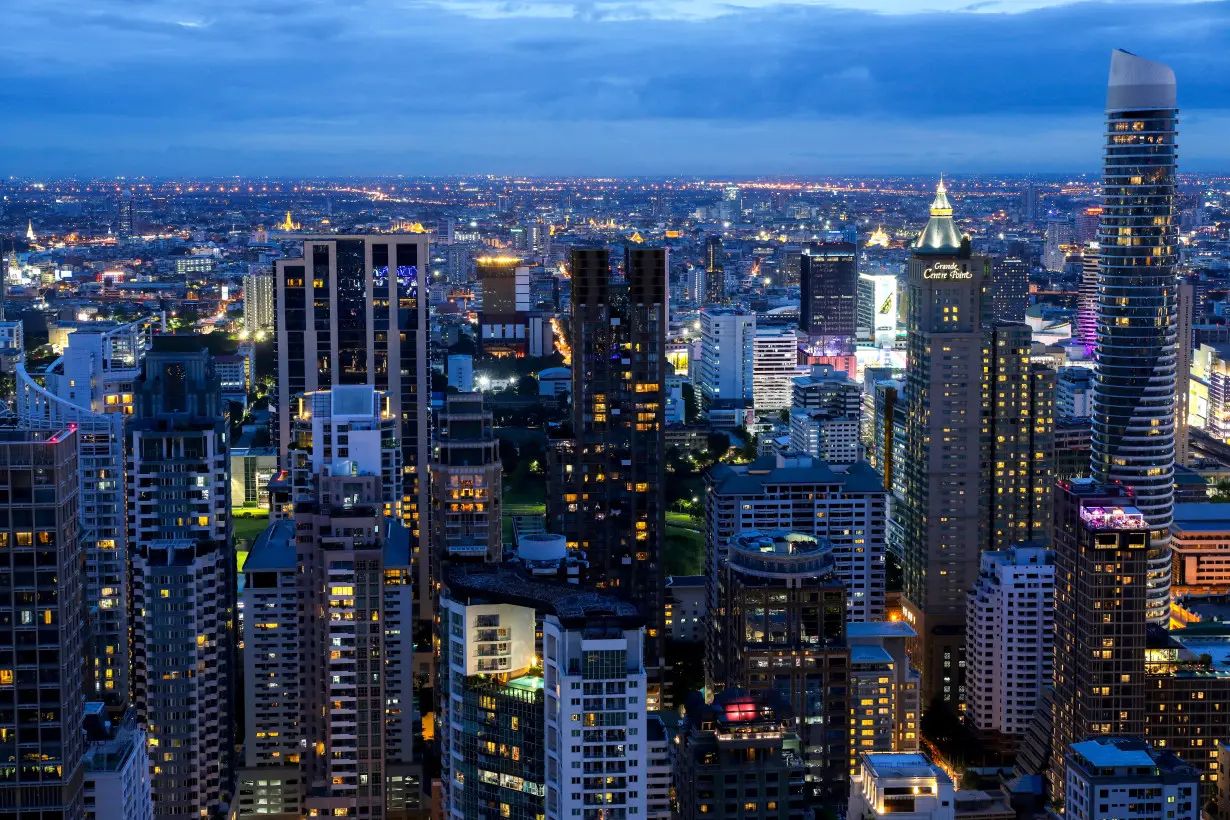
[330, 87]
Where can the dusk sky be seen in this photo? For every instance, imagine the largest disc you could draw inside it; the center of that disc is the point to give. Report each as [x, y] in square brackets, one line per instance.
[332, 87]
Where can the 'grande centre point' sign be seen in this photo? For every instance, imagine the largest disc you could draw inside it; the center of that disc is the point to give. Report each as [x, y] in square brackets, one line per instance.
[947, 270]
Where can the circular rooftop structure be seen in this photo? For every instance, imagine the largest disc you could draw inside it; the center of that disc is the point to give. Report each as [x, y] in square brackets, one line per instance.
[781, 554]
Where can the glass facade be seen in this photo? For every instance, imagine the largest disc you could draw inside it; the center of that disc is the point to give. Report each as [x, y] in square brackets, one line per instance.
[1134, 388]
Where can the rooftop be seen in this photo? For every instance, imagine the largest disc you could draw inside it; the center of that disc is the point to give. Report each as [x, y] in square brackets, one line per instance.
[902, 765]
[879, 629]
[274, 548]
[751, 479]
[574, 605]
[1201, 517]
[940, 236]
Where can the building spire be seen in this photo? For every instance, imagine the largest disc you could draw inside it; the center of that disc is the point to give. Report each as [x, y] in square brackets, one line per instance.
[30, 235]
[941, 234]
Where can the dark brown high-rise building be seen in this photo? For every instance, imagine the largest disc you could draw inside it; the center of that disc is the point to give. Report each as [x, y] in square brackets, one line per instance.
[42, 642]
[606, 491]
[828, 277]
[779, 625]
[353, 310]
[978, 461]
[1101, 563]
[715, 275]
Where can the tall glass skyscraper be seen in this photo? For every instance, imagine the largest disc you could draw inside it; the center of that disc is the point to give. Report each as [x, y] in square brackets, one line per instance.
[1134, 389]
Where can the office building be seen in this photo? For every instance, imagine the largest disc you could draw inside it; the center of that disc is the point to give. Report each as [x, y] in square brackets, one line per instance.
[1209, 390]
[739, 758]
[1101, 547]
[777, 596]
[978, 451]
[460, 372]
[90, 386]
[1073, 392]
[466, 492]
[1121, 778]
[539, 678]
[1087, 225]
[116, 768]
[1009, 626]
[183, 579]
[905, 786]
[125, 223]
[882, 450]
[827, 389]
[1009, 289]
[824, 436]
[352, 310]
[606, 492]
[1059, 236]
[1200, 542]
[885, 708]
[1030, 207]
[1183, 370]
[1134, 425]
[41, 668]
[774, 366]
[845, 507]
[502, 322]
[727, 355]
[715, 275]
[1087, 299]
[876, 309]
[695, 284]
[828, 278]
[258, 315]
[687, 608]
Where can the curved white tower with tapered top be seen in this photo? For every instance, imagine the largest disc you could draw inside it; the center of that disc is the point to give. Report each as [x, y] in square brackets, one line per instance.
[1135, 387]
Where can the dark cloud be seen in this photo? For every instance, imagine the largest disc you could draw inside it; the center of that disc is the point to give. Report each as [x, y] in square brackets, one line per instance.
[232, 86]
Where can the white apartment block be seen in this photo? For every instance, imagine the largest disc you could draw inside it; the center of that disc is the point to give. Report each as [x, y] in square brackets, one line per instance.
[885, 698]
[582, 691]
[1010, 630]
[795, 493]
[774, 367]
[660, 769]
[820, 434]
[1115, 778]
[900, 786]
[726, 355]
[117, 771]
[596, 736]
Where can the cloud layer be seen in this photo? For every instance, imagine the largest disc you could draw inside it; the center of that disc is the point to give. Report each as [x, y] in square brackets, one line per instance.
[615, 86]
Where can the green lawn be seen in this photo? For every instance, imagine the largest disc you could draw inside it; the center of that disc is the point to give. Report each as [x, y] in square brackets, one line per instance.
[684, 550]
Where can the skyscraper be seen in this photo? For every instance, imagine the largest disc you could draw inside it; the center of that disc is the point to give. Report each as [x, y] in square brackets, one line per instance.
[829, 281]
[1134, 394]
[353, 310]
[1058, 238]
[727, 355]
[715, 276]
[1009, 289]
[502, 324]
[42, 575]
[943, 513]
[778, 595]
[1087, 299]
[126, 225]
[979, 446]
[183, 570]
[258, 315]
[466, 482]
[1101, 545]
[90, 386]
[607, 494]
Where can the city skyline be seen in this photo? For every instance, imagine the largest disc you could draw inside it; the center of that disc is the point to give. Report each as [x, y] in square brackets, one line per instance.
[612, 88]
